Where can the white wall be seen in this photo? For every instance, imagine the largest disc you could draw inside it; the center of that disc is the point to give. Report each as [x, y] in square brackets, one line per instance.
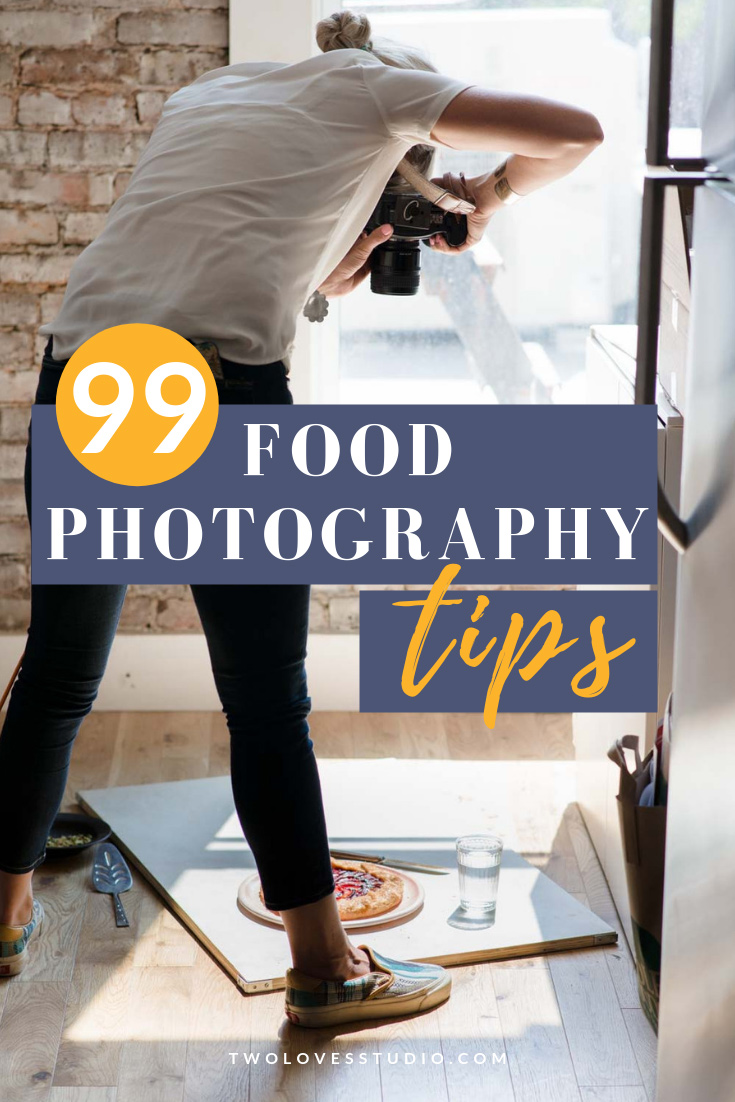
[171, 673]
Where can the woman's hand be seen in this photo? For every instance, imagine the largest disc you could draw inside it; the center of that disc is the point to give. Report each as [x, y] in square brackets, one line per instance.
[352, 269]
[476, 222]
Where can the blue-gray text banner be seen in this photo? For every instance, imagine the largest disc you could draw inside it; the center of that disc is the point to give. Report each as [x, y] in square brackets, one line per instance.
[367, 494]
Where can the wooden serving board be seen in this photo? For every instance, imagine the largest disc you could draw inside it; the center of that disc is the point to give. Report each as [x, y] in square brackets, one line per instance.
[184, 837]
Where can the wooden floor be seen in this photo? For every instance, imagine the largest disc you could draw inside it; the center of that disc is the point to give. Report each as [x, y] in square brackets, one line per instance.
[144, 1015]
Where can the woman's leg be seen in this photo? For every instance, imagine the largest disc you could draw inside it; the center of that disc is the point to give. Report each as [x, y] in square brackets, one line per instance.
[69, 639]
[257, 643]
[319, 944]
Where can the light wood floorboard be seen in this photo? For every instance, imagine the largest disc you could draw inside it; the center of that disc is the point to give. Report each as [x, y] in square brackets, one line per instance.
[82, 1094]
[613, 1094]
[538, 1053]
[29, 1038]
[469, 1024]
[643, 1040]
[598, 1040]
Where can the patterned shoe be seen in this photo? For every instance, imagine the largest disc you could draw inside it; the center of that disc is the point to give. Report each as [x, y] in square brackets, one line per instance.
[14, 941]
[391, 988]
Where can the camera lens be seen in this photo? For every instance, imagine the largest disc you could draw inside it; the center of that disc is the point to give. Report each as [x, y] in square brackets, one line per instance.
[395, 268]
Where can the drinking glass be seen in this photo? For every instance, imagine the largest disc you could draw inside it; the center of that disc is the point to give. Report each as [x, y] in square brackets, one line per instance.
[478, 861]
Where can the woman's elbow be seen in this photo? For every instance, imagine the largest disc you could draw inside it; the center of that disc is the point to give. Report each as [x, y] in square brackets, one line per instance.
[596, 134]
[588, 133]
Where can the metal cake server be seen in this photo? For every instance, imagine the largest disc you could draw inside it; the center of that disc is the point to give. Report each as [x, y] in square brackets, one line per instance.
[111, 874]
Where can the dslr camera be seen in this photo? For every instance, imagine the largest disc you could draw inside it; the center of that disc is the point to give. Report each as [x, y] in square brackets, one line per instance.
[395, 267]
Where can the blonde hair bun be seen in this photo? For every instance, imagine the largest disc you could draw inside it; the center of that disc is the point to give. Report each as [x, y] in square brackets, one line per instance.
[344, 30]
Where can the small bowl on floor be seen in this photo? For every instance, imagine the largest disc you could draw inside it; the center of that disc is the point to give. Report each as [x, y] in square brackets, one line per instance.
[68, 824]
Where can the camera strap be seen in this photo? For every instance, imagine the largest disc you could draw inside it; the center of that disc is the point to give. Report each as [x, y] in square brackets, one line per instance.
[439, 196]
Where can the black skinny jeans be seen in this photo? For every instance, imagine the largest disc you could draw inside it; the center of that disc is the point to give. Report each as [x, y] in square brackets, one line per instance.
[256, 635]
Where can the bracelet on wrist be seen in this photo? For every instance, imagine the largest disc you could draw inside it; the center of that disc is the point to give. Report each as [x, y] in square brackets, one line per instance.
[502, 188]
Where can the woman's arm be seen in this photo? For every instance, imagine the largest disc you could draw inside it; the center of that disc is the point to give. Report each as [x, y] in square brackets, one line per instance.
[537, 128]
[547, 139]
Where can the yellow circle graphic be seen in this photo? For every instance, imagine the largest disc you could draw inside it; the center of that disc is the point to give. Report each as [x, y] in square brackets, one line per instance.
[137, 404]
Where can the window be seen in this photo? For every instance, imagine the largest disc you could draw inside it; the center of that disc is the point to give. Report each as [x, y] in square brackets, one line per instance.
[508, 321]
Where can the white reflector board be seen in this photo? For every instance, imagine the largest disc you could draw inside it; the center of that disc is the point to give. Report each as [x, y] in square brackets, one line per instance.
[184, 837]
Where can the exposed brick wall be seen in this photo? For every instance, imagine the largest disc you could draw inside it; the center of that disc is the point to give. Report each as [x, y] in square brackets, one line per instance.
[81, 87]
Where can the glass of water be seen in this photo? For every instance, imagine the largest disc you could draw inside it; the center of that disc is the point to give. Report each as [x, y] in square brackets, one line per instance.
[478, 861]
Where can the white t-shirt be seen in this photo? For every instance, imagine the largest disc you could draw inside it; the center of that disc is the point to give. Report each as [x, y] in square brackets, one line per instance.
[255, 183]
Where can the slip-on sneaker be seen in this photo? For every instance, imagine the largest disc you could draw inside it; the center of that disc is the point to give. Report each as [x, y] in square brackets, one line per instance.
[14, 942]
[389, 989]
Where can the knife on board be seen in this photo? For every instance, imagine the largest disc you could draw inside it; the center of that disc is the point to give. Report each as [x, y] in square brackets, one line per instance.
[392, 862]
[110, 874]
